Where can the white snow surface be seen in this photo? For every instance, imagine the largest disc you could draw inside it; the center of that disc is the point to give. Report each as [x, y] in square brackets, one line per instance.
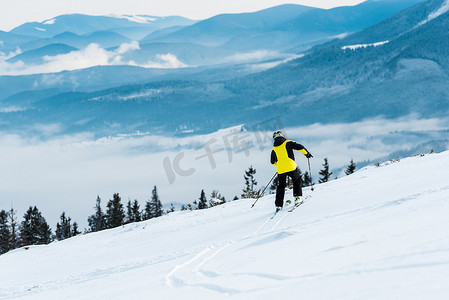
[135, 18]
[49, 22]
[354, 47]
[380, 233]
[442, 10]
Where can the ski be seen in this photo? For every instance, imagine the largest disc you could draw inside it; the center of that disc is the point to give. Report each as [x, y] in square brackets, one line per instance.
[300, 202]
[295, 206]
[275, 213]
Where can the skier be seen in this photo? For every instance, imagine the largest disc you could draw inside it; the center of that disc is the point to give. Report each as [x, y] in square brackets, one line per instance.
[282, 156]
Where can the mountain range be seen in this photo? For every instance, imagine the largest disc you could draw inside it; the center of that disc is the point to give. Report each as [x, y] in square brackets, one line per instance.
[134, 26]
[282, 28]
[393, 68]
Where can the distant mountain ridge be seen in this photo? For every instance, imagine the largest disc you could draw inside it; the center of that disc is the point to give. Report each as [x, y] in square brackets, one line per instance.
[283, 27]
[85, 24]
[405, 74]
[36, 56]
[278, 28]
[105, 39]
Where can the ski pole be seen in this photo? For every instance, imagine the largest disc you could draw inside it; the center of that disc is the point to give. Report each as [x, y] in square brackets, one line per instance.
[260, 195]
[310, 172]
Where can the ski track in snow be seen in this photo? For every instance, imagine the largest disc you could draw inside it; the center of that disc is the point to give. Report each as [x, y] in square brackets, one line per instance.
[194, 266]
[84, 277]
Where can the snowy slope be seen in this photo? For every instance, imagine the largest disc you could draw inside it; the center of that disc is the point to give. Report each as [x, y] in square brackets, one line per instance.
[381, 233]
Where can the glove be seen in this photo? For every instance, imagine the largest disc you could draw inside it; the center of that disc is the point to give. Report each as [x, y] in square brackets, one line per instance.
[308, 155]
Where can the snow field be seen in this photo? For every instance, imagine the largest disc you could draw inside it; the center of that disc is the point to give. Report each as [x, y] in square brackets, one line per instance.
[380, 233]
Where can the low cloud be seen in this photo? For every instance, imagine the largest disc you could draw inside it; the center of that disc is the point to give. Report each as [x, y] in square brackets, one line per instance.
[260, 60]
[257, 55]
[66, 173]
[165, 61]
[92, 55]
[6, 56]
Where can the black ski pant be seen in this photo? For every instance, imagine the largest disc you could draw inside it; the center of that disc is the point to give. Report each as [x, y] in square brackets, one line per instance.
[280, 191]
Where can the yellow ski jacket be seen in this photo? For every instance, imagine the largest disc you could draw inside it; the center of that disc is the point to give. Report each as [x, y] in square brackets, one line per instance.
[282, 154]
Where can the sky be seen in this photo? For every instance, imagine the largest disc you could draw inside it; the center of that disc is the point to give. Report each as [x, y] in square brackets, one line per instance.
[17, 12]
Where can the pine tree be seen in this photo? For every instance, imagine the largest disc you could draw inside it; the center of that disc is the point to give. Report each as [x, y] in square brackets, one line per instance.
[172, 208]
[137, 216]
[202, 204]
[14, 242]
[115, 215]
[351, 168]
[34, 228]
[45, 232]
[194, 205]
[148, 211]
[63, 230]
[153, 207]
[133, 212]
[250, 184]
[5, 233]
[75, 231]
[158, 211]
[129, 213]
[307, 179]
[97, 221]
[325, 174]
[28, 229]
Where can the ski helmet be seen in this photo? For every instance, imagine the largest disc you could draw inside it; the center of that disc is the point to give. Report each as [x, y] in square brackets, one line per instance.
[277, 134]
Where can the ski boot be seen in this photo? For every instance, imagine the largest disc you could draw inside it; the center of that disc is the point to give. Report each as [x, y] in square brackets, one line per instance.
[297, 200]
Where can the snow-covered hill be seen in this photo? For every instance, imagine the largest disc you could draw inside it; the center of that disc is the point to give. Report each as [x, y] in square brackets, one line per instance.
[381, 233]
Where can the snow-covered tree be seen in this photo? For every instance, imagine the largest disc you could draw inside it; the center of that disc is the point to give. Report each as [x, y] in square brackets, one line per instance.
[172, 208]
[216, 198]
[193, 206]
